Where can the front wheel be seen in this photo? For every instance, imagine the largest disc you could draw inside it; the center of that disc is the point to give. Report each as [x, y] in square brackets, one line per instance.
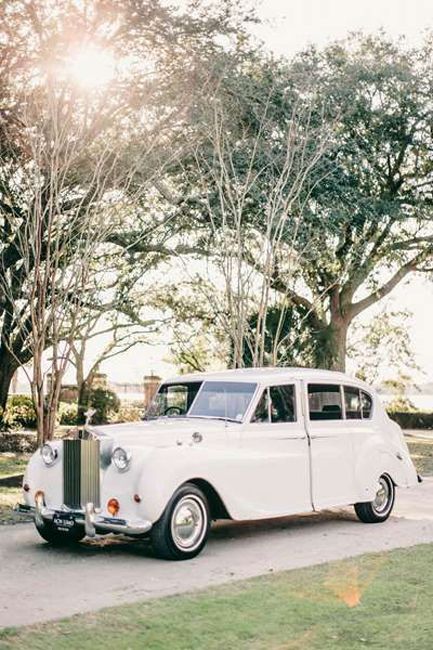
[56, 537]
[380, 508]
[183, 529]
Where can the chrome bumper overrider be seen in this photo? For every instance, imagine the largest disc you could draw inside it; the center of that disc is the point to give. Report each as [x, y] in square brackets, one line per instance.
[93, 523]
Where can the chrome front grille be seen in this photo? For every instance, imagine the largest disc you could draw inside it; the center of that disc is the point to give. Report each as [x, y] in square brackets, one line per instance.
[81, 473]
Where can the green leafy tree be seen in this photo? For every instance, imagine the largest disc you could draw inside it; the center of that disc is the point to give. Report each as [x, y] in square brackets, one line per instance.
[362, 219]
[371, 212]
[382, 345]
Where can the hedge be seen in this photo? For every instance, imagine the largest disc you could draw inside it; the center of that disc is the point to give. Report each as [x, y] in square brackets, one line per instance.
[22, 442]
[412, 419]
[20, 413]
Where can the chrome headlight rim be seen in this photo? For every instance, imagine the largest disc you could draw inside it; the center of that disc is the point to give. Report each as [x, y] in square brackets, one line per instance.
[121, 458]
[49, 454]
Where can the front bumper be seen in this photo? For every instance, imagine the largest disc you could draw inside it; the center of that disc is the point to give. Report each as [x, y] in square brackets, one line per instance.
[92, 522]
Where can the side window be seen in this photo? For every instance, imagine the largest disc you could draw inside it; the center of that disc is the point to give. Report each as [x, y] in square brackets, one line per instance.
[276, 403]
[282, 403]
[352, 403]
[366, 405]
[324, 401]
[261, 414]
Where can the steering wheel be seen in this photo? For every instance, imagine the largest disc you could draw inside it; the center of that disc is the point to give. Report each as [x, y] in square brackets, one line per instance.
[173, 410]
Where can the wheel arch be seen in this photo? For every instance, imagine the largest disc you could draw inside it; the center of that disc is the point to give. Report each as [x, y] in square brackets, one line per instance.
[217, 506]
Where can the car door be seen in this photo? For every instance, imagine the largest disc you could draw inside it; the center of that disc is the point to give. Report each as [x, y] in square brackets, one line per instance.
[366, 440]
[332, 453]
[275, 456]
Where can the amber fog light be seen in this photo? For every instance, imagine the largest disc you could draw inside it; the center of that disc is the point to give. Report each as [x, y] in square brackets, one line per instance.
[137, 498]
[113, 507]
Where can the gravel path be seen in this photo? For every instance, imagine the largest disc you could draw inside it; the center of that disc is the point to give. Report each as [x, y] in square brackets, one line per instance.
[39, 583]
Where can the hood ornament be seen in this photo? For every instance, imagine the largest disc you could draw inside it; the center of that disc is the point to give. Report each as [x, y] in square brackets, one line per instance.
[89, 415]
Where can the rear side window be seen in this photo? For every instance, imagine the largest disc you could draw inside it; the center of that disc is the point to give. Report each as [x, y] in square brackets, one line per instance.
[324, 402]
[352, 403]
[277, 404]
[366, 405]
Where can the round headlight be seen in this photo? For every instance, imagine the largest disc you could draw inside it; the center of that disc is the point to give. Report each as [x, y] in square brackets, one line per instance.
[121, 458]
[49, 454]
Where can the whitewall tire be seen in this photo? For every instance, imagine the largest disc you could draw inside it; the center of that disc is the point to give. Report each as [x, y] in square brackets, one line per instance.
[378, 510]
[182, 531]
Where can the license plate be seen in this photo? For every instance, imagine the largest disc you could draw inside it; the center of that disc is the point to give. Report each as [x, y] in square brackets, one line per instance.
[64, 521]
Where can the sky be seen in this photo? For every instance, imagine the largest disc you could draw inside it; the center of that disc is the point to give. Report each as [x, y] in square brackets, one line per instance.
[291, 25]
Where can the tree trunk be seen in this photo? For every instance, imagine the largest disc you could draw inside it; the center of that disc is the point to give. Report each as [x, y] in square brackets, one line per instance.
[332, 347]
[83, 400]
[84, 389]
[8, 366]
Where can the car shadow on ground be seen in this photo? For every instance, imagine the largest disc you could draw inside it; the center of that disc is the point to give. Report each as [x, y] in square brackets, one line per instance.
[118, 545]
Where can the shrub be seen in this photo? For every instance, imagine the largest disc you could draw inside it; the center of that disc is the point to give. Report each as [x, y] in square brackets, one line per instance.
[412, 419]
[105, 402]
[20, 412]
[18, 442]
[67, 414]
[127, 413]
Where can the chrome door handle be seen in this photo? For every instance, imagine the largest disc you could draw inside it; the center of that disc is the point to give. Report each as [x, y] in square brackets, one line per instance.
[330, 435]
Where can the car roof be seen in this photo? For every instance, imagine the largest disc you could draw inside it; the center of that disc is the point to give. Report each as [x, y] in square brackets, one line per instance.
[269, 374]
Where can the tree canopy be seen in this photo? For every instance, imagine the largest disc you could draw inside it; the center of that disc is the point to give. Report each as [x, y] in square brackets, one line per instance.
[362, 221]
[72, 145]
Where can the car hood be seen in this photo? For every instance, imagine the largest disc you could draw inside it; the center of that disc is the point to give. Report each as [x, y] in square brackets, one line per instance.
[163, 432]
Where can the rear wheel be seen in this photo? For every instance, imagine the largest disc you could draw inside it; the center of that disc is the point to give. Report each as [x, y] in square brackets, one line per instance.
[380, 508]
[182, 531]
[58, 537]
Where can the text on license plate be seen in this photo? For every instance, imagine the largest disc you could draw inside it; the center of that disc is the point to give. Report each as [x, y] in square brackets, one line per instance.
[63, 522]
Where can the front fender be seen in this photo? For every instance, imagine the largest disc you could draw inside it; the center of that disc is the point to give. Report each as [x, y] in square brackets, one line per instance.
[48, 479]
[169, 468]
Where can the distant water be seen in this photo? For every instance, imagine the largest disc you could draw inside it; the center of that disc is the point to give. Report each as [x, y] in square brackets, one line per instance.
[422, 402]
[130, 397]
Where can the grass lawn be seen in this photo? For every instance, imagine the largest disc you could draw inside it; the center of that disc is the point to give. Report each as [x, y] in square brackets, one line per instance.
[10, 465]
[421, 451]
[8, 498]
[375, 601]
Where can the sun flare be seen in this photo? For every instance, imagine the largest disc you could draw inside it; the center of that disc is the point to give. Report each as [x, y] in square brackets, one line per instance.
[91, 66]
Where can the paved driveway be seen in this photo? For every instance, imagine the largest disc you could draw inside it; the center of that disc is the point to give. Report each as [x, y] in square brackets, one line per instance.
[39, 583]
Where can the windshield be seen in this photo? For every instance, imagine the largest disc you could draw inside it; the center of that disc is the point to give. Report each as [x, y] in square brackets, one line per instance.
[173, 400]
[227, 400]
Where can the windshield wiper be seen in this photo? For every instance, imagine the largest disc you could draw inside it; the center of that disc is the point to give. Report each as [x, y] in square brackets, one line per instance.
[215, 417]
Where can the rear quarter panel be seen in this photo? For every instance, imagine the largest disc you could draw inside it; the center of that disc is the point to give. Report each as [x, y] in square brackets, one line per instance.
[379, 448]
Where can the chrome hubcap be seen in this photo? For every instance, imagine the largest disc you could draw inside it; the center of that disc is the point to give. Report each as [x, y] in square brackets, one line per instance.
[383, 496]
[188, 523]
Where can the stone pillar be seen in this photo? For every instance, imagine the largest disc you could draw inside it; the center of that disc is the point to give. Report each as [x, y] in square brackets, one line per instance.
[69, 394]
[150, 385]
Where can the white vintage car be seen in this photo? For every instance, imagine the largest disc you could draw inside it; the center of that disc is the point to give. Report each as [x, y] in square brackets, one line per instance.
[241, 444]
